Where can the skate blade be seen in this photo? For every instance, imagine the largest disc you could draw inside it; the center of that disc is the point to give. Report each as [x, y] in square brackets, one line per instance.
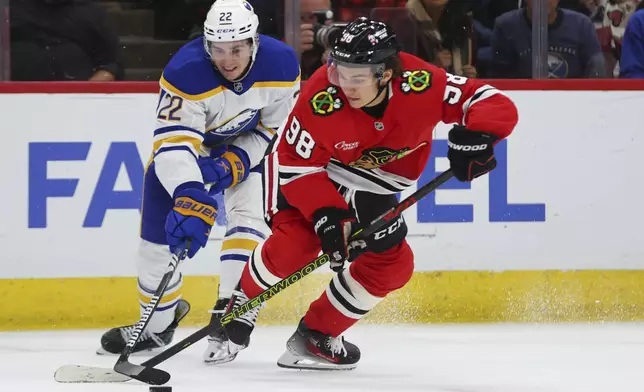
[309, 362]
[88, 374]
[142, 353]
[226, 359]
[218, 359]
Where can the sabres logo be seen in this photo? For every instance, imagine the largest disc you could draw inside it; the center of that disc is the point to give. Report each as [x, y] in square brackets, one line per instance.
[416, 81]
[326, 102]
[245, 120]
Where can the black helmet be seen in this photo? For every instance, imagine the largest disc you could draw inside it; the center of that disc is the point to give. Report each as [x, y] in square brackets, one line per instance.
[365, 41]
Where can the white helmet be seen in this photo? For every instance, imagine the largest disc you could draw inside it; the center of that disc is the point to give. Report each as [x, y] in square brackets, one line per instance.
[231, 20]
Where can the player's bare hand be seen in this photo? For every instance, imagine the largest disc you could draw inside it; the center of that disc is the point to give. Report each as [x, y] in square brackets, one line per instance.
[469, 71]
[306, 37]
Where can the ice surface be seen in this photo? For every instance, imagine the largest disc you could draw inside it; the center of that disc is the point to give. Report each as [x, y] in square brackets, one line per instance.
[436, 358]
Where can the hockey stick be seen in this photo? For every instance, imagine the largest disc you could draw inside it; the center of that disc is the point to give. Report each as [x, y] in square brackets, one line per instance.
[66, 373]
[122, 365]
[149, 375]
[158, 377]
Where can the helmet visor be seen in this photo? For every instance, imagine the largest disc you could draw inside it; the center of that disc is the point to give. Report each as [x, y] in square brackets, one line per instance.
[349, 75]
[231, 50]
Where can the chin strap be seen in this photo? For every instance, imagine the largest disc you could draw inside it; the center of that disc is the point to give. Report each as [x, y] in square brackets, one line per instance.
[380, 90]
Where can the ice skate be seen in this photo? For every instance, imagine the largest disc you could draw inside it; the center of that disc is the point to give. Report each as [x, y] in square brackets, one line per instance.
[312, 350]
[225, 344]
[113, 341]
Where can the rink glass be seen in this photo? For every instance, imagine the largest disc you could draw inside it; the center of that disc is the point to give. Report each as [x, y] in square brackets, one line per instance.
[155, 30]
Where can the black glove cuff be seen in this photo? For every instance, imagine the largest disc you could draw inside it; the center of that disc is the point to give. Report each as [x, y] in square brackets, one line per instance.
[324, 215]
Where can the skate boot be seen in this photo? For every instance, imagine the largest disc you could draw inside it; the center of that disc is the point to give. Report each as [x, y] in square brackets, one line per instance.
[226, 343]
[114, 340]
[313, 350]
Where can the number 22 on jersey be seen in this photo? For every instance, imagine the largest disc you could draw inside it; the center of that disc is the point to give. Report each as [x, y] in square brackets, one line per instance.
[171, 105]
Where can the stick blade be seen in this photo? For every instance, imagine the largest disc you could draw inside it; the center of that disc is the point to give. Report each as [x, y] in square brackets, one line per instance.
[88, 374]
[148, 375]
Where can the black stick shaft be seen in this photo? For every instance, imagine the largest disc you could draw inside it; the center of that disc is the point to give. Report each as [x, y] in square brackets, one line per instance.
[267, 294]
[395, 211]
[182, 345]
[152, 305]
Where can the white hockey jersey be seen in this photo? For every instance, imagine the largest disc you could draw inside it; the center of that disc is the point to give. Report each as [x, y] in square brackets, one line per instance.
[199, 109]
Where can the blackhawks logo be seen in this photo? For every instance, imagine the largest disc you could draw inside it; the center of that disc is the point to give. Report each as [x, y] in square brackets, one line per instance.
[416, 81]
[374, 157]
[326, 102]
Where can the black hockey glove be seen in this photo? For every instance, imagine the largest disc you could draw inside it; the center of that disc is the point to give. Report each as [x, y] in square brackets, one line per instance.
[471, 153]
[334, 226]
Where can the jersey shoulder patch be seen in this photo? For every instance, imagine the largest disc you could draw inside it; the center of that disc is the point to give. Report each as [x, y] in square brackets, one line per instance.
[415, 81]
[418, 75]
[326, 101]
[320, 97]
[190, 73]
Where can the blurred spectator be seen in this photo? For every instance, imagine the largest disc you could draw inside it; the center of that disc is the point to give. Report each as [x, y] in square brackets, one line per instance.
[485, 13]
[445, 34]
[62, 40]
[632, 60]
[573, 47]
[349, 10]
[317, 33]
[611, 21]
[599, 11]
[403, 22]
[590, 8]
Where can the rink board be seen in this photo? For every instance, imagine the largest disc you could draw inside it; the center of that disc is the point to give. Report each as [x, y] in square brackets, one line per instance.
[555, 230]
[430, 297]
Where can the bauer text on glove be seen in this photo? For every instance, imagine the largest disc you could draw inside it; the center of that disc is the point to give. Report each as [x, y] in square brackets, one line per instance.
[191, 219]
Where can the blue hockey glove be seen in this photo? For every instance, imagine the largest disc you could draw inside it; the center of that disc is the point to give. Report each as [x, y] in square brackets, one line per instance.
[224, 168]
[191, 219]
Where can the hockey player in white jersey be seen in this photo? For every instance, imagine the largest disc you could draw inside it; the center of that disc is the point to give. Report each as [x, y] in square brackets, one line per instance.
[222, 98]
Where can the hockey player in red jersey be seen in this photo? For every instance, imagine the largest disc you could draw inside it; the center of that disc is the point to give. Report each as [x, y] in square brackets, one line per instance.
[361, 132]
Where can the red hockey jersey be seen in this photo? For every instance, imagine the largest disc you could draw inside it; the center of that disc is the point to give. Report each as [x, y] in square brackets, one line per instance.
[326, 139]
